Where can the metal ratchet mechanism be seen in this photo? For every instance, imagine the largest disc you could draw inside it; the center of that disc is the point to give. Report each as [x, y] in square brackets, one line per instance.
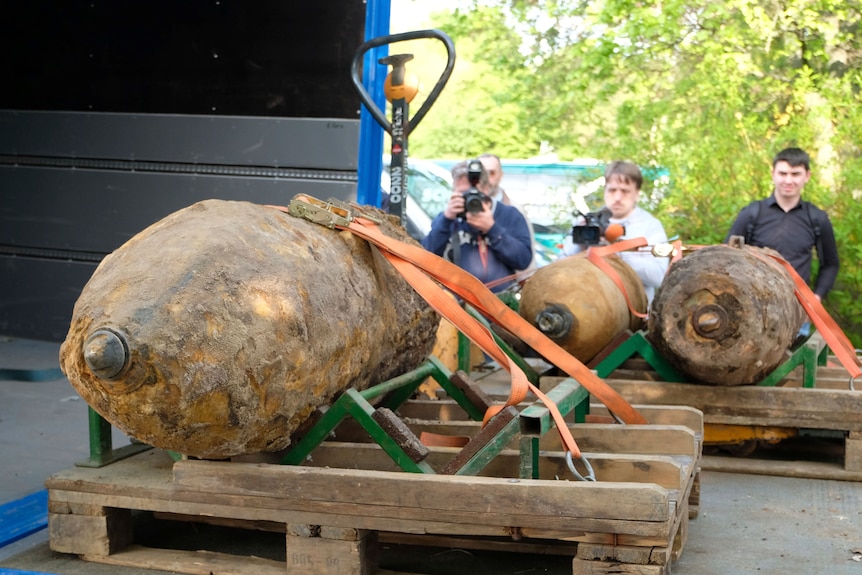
[663, 250]
[329, 213]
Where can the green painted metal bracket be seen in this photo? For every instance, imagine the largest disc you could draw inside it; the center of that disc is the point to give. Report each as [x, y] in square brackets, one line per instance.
[357, 405]
[533, 422]
[464, 349]
[490, 450]
[401, 388]
[510, 299]
[102, 450]
[823, 356]
[568, 395]
[809, 355]
[536, 420]
[353, 404]
[528, 463]
[638, 344]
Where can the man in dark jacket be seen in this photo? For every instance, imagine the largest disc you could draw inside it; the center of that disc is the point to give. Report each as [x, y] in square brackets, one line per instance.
[485, 237]
[790, 225]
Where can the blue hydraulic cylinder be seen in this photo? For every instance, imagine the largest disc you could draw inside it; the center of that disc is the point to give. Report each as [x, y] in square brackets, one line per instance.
[370, 163]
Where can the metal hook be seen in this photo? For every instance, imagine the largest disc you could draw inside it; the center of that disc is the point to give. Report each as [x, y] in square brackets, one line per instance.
[591, 476]
[617, 418]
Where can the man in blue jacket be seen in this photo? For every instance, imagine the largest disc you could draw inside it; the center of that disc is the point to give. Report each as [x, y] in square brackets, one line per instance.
[484, 237]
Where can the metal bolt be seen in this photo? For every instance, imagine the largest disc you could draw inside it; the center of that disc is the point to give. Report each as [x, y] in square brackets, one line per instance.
[555, 321]
[106, 353]
[708, 322]
[712, 321]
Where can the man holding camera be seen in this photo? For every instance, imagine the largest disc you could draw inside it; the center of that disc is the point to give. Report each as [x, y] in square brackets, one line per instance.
[623, 182]
[480, 235]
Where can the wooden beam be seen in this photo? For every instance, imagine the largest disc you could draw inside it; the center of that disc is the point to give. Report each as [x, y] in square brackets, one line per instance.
[752, 405]
[501, 501]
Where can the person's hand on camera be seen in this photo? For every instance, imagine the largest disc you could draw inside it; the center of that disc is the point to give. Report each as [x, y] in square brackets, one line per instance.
[481, 221]
[455, 207]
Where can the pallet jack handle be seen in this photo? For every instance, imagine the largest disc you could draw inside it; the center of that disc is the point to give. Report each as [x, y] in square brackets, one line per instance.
[400, 92]
[398, 66]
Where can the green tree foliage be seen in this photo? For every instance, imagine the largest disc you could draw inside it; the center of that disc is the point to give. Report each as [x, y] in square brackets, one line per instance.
[708, 90]
[480, 109]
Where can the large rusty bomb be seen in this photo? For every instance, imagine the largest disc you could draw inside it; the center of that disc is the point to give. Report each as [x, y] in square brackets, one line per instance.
[576, 304]
[218, 330]
[725, 315]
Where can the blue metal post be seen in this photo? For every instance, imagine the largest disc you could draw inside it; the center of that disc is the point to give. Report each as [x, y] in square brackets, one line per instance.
[370, 164]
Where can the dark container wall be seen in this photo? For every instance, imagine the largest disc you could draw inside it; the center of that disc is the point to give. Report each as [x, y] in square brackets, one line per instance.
[116, 114]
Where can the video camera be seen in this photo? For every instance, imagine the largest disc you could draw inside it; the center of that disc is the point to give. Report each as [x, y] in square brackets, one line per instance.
[474, 199]
[594, 227]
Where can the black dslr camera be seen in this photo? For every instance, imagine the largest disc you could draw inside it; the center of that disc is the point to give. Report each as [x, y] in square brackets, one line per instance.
[594, 227]
[474, 199]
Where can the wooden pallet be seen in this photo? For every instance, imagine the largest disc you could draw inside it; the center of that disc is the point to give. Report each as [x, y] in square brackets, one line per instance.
[831, 407]
[336, 510]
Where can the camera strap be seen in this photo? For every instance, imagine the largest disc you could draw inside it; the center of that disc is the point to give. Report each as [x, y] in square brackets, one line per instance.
[455, 247]
[455, 244]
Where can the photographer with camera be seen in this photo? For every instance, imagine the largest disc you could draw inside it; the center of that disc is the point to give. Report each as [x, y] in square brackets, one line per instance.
[621, 218]
[480, 235]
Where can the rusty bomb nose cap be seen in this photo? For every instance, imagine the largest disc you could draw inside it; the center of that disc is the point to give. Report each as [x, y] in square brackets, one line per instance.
[106, 353]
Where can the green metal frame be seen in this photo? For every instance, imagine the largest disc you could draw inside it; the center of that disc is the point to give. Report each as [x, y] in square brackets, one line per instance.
[352, 403]
[102, 450]
[637, 343]
[532, 423]
[464, 349]
[357, 405]
[809, 355]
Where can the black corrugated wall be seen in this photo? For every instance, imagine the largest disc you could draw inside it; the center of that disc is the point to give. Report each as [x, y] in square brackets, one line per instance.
[115, 114]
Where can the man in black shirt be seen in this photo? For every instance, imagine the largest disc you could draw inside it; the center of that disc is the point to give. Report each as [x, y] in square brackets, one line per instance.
[790, 225]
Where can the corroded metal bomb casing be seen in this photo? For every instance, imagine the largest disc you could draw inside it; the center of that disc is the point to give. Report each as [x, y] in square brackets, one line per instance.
[218, 330]
[725, 315]
[578, 306]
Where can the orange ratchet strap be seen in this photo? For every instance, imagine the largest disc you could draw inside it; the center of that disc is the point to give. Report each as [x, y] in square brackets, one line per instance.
[676, 253]
[596, 255]
[420, 268]
[476, 294]
[828, 328]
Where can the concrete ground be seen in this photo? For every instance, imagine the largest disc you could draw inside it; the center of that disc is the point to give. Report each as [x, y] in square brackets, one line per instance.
[748, 524]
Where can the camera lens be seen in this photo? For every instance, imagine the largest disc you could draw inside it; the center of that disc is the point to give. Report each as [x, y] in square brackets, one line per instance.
[590, 235]
[474, 204]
